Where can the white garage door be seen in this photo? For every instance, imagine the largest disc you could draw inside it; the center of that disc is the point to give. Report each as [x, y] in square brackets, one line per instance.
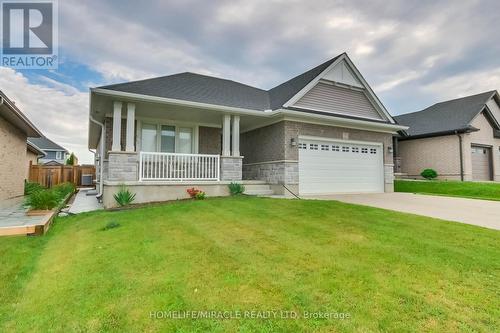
[327, 167]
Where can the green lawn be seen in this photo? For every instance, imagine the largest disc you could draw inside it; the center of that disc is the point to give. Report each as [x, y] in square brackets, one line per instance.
[474, 190]
[387, 271]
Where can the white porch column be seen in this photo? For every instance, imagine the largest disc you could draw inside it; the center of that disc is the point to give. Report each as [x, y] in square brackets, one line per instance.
[130, 127]
[226, 135]
[117, 126]
[236, 136]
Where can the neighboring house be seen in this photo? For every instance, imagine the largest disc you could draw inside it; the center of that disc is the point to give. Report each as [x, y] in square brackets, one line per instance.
[33, 153]
[15, 127]
[54, 153]
[460, 139]
[322, 132]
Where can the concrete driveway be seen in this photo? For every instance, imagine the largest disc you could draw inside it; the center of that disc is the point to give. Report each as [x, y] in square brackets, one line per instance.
[483, 213]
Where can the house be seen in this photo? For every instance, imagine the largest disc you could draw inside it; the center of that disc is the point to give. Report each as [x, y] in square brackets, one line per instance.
[460, 139]
[321, 132]
[15, 127]
[54, 153]
[33, 153]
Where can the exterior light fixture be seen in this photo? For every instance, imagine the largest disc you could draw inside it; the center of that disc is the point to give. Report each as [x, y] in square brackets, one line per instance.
[293, 142]
[389, 149]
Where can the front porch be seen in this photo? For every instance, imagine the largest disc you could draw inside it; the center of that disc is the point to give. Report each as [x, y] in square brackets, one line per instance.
[159, 150]
[148, 142]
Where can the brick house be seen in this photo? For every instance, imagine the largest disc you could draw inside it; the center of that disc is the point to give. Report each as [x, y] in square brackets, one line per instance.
[14, 151]
[459, 138]
[321, 132]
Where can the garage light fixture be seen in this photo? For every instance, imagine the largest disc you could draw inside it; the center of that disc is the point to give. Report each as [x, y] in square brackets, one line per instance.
[389, 149]
[293, 142]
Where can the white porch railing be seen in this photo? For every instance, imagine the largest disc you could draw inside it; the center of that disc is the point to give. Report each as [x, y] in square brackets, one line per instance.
[170, 166]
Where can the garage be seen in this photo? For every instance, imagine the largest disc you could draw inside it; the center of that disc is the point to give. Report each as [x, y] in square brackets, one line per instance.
[328, 166]
[481, 163]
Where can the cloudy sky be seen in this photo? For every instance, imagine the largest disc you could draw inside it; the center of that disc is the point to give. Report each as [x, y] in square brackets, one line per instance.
[413, 53]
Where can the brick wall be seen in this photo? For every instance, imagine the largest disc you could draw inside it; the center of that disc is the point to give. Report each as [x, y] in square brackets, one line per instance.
[439, 153]
[263, 144]
[13, 160]
[209, 140]
[108, 123]
[483, 137]
[294, 129]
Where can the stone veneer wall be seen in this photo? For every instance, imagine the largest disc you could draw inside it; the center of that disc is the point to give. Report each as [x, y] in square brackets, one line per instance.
[273, 172]
[122, 166]
[231, 168]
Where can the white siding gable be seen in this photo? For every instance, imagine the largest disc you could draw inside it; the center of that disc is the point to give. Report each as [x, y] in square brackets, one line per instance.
[327, 97]
[342, 74]
[494, 108]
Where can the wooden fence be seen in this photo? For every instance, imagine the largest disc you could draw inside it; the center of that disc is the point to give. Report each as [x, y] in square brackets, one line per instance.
[50, 175]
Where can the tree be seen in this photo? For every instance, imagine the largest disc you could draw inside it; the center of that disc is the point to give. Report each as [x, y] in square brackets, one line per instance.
[71, 159]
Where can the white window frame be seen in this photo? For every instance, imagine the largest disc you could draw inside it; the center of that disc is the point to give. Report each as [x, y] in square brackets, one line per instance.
[58, 155]
[177, 126]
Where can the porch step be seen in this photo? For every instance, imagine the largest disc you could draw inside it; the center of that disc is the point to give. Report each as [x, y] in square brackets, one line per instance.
[253, 182]
[258, 189]
[259, 192]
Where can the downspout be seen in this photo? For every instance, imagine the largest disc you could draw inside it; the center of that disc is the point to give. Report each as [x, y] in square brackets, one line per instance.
[101, 156]
[461, 156]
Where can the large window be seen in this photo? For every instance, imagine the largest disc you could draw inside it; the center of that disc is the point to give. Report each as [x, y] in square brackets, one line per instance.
[185, 140]
[148, 137]
[166, 139]
[167, 144]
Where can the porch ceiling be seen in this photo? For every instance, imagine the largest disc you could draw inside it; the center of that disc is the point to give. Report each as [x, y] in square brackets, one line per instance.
[102, 106]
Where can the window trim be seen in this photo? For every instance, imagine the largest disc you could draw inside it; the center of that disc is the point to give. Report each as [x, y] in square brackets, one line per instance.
[177, 125]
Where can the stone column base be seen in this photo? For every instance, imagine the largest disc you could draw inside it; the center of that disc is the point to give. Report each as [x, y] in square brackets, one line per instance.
[231, 168]
[122, 166]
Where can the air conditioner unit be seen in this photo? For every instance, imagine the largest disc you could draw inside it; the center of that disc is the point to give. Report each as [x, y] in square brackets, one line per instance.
[87, 180]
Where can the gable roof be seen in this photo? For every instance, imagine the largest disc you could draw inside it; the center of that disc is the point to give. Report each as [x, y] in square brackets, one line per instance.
[10, 112]
[445, 117]
[45, 144]
[282, 93]
[198, 88]
[211, 90]
[34, 149]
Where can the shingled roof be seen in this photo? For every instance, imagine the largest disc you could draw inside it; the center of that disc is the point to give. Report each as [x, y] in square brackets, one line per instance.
[445, 117]
[45, 144]
[211, 90]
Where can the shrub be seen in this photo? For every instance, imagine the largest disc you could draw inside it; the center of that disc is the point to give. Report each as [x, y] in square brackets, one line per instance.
[43, 199]
[64, 189]
[196, 194]
[429, 174]
[236, 188]
[32, 187]
[200, 195]
[124, 197]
